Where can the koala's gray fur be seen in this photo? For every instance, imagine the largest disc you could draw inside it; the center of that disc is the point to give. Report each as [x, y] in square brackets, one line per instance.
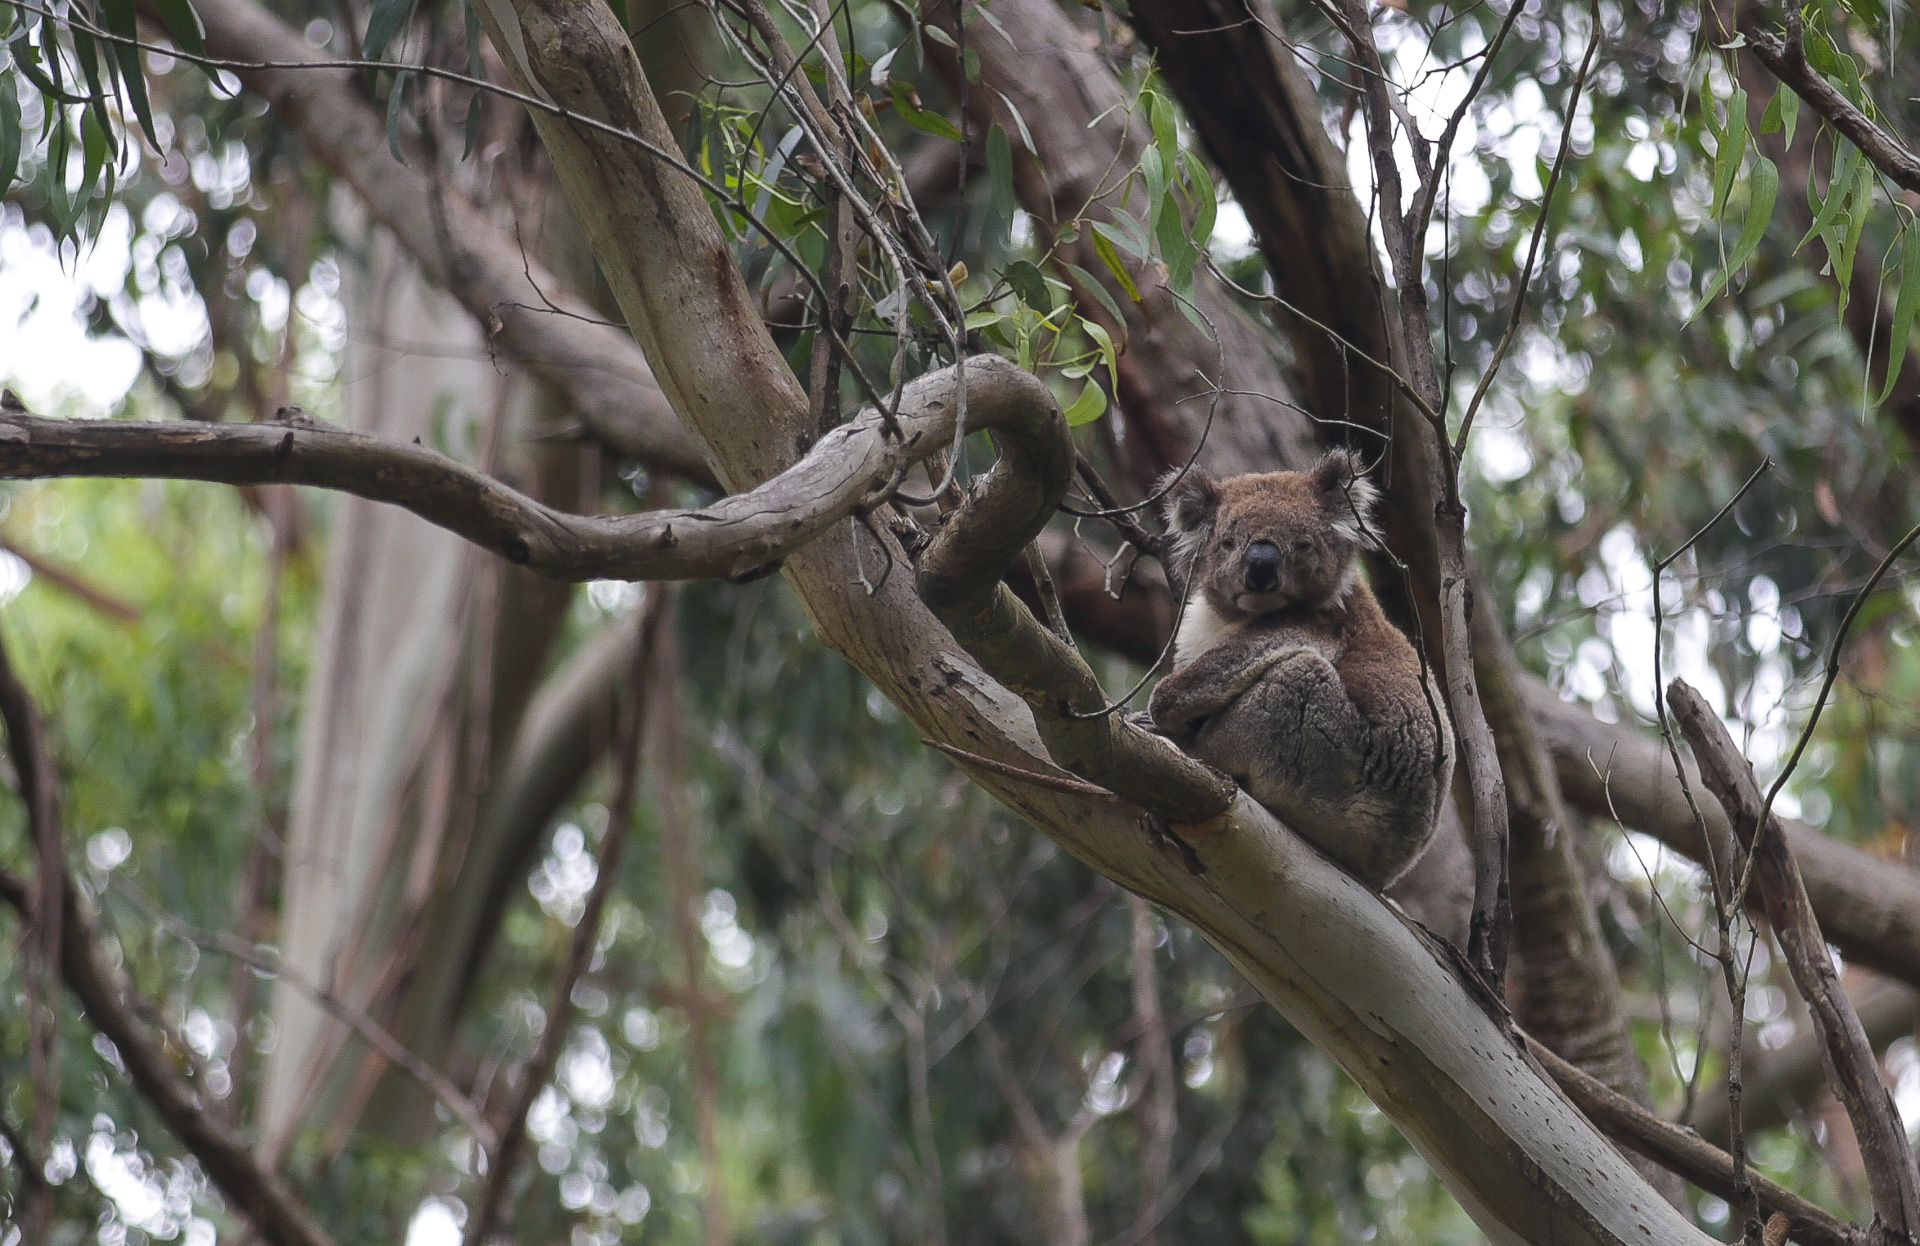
[1289, 677]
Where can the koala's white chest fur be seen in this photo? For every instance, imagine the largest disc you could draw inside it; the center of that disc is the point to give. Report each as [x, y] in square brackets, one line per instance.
[1202, 627]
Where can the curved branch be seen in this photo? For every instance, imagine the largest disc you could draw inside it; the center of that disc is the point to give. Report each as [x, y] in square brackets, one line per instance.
[960, 579]
[846, 472]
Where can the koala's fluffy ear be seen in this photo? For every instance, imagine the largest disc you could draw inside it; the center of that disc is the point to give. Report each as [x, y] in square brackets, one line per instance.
[1191, 501]
[1347, 494]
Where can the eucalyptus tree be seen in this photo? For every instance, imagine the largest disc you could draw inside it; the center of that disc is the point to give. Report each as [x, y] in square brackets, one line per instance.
[876, 340]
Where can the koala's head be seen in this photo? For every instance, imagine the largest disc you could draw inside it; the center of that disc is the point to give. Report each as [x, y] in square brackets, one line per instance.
[1274, 541]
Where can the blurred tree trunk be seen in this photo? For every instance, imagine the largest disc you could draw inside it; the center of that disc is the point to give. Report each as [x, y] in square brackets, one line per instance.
[425, 658]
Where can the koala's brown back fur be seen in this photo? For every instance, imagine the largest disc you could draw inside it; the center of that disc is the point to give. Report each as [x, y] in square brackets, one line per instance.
[1288, 675]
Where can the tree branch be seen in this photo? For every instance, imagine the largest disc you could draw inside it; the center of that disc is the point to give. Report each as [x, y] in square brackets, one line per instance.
[530, 312]
[848, 471]
[111, 1002]
[1868, 906]
[1686, 1153]
[1855, 1075]
[1787, 59]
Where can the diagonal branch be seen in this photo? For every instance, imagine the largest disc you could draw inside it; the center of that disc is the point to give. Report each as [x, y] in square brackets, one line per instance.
[1891, 1175]
[111, 1002]
[1787, 58]
[526, 310]
[1685, 1152]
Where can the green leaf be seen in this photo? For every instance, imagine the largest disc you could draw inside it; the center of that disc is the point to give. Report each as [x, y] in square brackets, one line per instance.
[1904, 308]
[472, 127]
[1128, 233]
[1155, 172]
[918, 117]
[9, 134]
[389, 18]
[120, 20]
[1207, 209]
[1091, 285]
[182, 24]
[396, 105]
[1029, 285]
[1763, 187]
[1103, 247]
[1001, 198]
[1166, 135]
[1108, 354]
[984, 317]
[1733, 150]
[1845, 157]
[1089, 406]
[1860, 209]
[1789, 113]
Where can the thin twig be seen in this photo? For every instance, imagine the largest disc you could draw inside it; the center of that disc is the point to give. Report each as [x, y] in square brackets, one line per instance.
[586, 933]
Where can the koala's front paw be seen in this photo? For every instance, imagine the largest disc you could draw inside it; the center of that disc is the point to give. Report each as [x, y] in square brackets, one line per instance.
[1143, 720]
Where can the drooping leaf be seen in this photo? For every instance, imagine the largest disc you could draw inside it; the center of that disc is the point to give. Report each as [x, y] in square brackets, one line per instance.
[1103, 247]
[396, 105]
[1002, 201]
[1089, 406]
[1903, 308]
[1763, 187]
[1839, 186]
[9, 135]
[1732, 151]
[388, 19]
[182, 24]
[120, 20]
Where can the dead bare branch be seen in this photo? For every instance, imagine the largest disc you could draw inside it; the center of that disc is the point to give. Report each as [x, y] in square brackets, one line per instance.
[1891, 1174]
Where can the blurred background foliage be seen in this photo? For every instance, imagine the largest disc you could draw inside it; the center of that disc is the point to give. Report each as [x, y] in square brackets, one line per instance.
[923, 1020]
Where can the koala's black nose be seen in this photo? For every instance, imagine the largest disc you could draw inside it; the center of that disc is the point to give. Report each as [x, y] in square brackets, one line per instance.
[1261, 567]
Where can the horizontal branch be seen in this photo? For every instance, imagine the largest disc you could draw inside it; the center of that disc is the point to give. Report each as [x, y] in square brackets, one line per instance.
[1787, 59]
[1688, 1154]
[846, 472]
[1869, 907]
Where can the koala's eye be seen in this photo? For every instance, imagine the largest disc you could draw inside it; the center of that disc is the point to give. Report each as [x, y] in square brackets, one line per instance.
[1226, 542]
[1302, 544]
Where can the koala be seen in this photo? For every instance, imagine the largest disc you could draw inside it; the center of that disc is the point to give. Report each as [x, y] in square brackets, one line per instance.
[1288, 676]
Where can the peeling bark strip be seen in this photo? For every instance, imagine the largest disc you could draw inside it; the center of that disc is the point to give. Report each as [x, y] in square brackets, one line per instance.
[848, 471]
[1891, 1174]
